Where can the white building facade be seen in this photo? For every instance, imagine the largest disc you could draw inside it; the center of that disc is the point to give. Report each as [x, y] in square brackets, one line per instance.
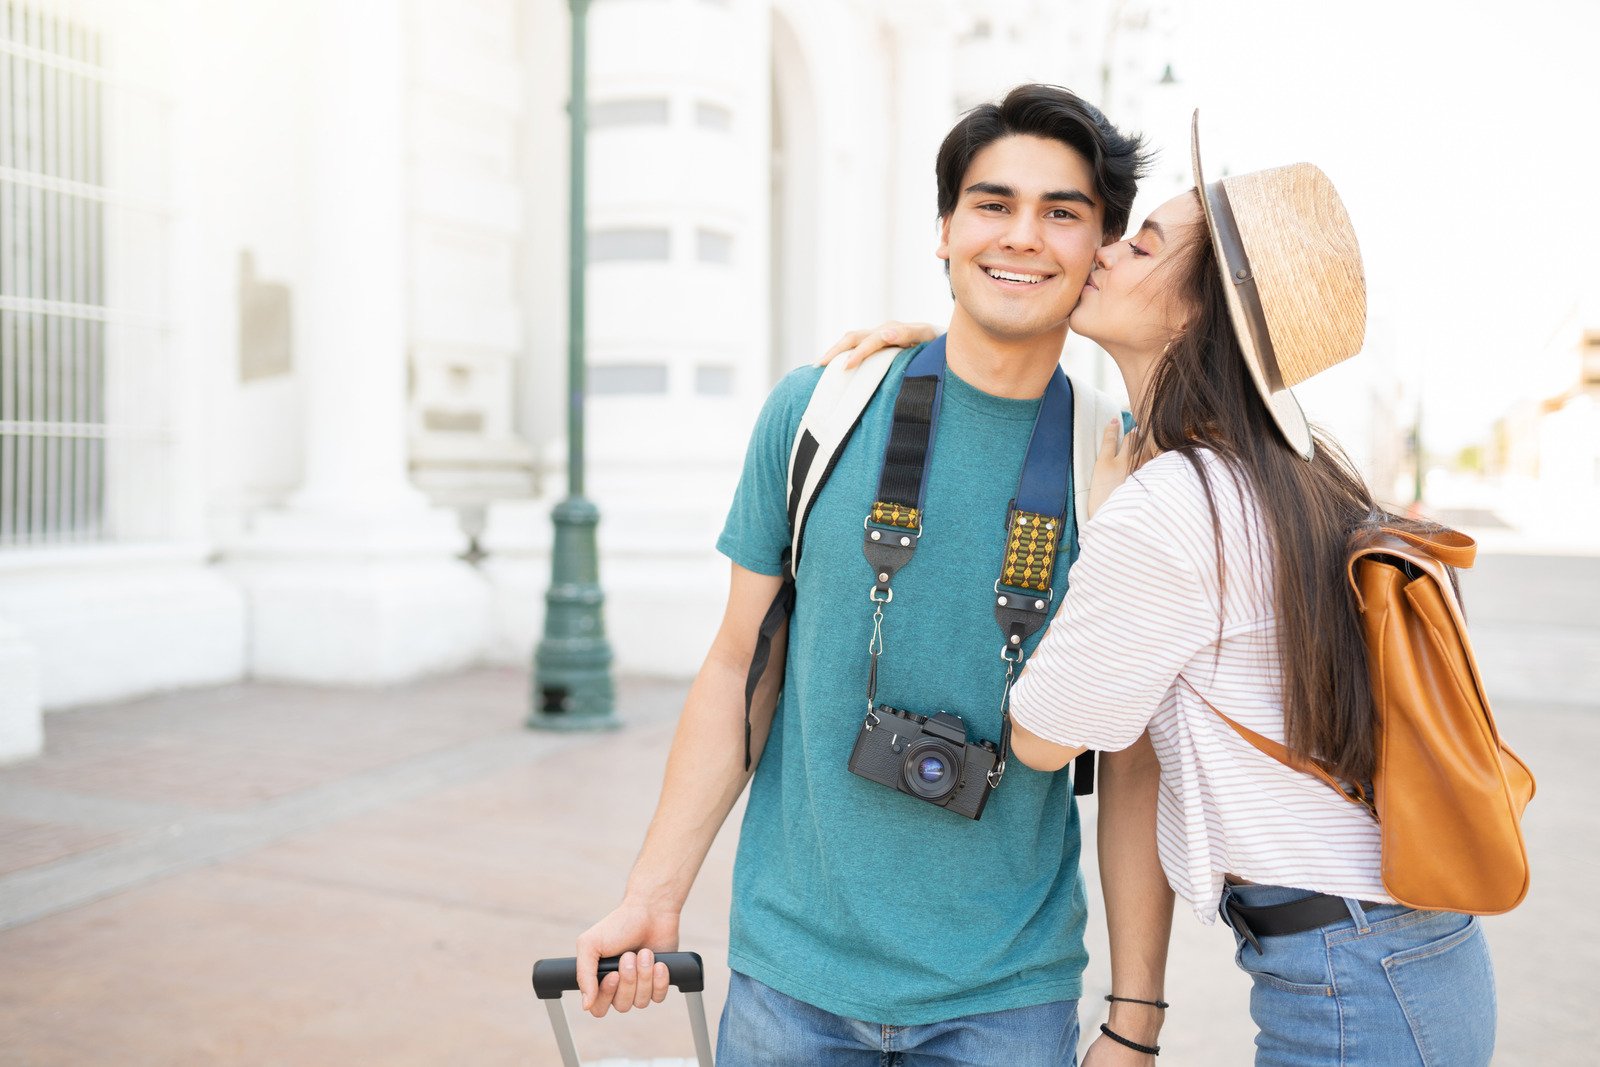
[283, 308]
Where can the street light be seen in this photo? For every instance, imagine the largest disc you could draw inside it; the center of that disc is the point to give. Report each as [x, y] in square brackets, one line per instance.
[572, 686]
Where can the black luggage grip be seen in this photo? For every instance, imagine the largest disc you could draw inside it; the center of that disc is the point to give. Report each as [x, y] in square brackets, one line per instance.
[553, 977]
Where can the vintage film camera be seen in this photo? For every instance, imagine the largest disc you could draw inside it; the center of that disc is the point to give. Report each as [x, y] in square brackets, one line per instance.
[926, 756]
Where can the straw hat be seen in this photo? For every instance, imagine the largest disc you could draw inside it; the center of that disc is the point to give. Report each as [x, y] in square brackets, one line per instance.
[1297, 296]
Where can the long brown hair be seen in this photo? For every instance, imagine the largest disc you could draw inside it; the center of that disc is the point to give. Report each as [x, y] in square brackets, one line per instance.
[1201, 396]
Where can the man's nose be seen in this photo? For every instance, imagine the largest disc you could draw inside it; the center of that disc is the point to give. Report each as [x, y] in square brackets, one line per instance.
[1023, 234]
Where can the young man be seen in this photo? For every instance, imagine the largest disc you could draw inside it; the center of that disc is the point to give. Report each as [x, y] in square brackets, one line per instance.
[869, 925]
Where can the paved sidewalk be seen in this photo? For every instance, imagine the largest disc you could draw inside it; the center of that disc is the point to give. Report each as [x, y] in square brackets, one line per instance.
[263, 874]
[276, 875]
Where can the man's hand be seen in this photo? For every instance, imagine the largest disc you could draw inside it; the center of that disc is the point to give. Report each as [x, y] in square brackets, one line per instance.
[636, 933]
[857, 345]
[1111, 465]
[705, 775]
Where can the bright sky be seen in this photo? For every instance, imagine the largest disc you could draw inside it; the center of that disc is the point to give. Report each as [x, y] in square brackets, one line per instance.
[1465, 140]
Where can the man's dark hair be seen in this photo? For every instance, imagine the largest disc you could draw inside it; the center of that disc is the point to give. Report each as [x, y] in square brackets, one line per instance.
[1049, 111]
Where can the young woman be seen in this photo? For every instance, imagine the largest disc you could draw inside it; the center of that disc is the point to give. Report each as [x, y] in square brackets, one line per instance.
[1209, 583]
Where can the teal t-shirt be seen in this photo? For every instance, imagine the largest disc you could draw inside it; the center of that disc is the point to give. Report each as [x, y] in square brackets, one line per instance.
[847, 894]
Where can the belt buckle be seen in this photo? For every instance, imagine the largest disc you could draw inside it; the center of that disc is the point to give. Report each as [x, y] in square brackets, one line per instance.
[1237, 920]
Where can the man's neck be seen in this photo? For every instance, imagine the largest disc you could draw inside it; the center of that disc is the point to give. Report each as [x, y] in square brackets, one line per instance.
[1016, 370]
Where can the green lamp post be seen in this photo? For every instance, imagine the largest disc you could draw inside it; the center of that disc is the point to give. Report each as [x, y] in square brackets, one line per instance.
[572, 685]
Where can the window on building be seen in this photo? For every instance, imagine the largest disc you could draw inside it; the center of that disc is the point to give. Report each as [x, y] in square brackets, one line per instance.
[437, 420]
[639, 111]
[713, 247]
[627, 379]
[88, 394]
[709, 116]
[644, 243]
[56, 322]
[980, 30]
[713, 380]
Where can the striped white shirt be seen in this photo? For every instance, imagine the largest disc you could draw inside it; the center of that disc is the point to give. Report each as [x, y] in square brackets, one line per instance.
[1141, 610]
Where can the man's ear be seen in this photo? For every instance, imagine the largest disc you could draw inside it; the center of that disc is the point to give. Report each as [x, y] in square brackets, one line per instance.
[943, 251]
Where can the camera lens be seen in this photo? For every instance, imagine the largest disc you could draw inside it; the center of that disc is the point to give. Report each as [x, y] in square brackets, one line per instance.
[931, 769]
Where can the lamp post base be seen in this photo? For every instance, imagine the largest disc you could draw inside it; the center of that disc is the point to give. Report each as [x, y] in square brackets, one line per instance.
[572, 686]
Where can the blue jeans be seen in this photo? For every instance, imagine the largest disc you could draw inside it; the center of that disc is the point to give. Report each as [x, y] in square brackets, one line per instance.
[762, 1027]
[1390, 986]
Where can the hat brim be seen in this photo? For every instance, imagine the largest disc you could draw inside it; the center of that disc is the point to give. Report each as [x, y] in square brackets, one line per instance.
[1279, 399]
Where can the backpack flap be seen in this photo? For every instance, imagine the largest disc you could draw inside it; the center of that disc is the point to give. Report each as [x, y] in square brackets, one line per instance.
[1449, 793]
[831, 416]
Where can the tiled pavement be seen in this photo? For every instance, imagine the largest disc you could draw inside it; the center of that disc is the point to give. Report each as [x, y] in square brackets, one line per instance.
[279, 875]
[261, 874]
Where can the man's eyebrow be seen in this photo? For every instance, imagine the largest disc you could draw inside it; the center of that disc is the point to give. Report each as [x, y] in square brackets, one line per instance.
[993, 189]
[1055, 196]
[1068, 196]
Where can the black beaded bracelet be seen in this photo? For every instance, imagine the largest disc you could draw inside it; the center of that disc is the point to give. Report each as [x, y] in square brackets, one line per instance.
[1135, 1000]
[1148, 1050]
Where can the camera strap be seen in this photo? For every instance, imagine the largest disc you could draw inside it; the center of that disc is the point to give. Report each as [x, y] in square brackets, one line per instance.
[1034, 526]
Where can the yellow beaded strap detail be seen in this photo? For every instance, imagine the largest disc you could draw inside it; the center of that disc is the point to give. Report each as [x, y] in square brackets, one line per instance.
[901, 515]
[1031, 551]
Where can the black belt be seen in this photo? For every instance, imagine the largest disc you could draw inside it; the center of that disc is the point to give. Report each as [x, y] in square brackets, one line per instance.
[1295, 917]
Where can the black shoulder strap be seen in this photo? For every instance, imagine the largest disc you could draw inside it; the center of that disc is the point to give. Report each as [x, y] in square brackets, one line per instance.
[901, 481]
[832, 403]
[777, 614]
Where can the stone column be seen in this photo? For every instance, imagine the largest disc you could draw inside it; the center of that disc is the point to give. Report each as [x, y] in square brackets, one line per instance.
[357, 579]
[355, 310]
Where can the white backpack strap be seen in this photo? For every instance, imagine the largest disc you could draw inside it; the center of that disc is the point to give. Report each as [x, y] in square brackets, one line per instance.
[830, 417]
[1091, 410]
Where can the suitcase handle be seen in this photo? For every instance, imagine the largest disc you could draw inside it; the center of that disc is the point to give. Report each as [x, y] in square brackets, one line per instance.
[553, 977]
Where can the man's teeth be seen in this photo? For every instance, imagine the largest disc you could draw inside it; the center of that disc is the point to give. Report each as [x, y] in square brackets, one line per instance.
[1008, 276]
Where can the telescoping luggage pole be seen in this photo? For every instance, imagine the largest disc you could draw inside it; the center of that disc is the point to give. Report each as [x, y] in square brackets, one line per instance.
[553, 977]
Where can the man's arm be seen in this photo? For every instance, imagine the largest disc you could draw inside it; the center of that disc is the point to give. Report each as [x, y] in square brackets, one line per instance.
[1138, 900]
[705, 775]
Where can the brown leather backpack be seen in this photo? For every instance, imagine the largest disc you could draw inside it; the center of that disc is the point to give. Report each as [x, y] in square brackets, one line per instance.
[1449, 794]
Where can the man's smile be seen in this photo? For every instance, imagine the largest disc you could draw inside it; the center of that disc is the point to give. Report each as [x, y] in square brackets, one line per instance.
[1016, 277]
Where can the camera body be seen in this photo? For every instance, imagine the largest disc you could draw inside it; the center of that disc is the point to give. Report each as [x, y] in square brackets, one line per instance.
[927, 757]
